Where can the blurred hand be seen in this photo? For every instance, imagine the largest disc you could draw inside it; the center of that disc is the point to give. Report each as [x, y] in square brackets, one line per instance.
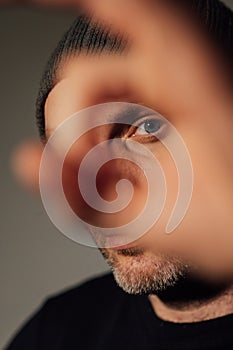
[147, 76]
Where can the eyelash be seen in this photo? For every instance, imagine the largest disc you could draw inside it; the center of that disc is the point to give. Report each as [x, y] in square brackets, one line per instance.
[129, 131]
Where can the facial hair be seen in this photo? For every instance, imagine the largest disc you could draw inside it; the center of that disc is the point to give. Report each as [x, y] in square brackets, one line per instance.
[140, 272]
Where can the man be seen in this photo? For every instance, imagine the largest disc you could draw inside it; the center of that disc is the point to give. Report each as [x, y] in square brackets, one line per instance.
[183, 309]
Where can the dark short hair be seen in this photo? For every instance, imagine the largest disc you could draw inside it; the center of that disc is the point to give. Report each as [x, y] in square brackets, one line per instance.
[85, 35]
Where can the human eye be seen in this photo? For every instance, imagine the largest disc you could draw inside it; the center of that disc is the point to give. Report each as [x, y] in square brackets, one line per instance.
[149, 129]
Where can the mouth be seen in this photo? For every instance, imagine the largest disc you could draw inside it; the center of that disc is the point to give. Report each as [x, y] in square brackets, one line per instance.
[116, 242]
[125, 247]
[129, 252]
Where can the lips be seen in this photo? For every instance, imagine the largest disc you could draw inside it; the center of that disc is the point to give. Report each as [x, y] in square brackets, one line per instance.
[117, 243]
[110, 241]
[125, 246]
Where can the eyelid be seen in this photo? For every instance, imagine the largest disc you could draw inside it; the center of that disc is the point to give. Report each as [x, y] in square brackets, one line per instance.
[147, 137]
[144, 119]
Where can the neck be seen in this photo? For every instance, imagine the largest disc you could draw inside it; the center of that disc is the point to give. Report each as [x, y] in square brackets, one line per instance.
[193, 301]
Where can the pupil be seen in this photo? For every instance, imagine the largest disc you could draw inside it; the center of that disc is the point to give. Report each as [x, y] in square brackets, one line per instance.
[152, 126]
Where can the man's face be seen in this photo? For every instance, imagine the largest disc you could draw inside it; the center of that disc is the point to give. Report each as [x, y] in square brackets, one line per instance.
[193, 96]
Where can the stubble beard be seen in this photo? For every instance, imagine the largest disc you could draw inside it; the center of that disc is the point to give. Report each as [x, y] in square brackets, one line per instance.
[140, 272]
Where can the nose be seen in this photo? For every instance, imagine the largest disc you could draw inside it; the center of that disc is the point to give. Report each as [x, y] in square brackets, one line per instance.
[102, 185]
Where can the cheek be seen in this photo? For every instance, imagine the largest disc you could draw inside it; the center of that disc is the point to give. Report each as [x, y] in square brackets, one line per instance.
[213, 170]
[211, 205]
[101, 186]
[208, 224]
[106, 182]
[210, 211]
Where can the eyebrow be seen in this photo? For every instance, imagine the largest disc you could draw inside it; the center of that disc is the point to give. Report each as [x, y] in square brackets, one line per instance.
[131, 114]
[128, 116]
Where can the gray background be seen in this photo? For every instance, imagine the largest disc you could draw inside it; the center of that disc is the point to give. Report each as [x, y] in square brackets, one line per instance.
[36, 260]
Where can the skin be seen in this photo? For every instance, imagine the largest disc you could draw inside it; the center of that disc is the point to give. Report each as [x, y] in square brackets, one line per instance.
[197, 75]
[130, 73]
[191, 118]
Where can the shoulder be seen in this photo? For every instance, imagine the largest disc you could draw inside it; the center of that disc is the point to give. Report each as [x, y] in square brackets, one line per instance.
[70, 314]
[96, 288]
[95, 295]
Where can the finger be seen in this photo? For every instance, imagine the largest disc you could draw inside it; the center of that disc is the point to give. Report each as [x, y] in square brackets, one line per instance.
[133, 19]
[107, 78]
[56, 3]
[130, 18]
[98, 79]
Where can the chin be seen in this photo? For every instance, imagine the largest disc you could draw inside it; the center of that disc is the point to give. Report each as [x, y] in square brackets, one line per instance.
[138, 271]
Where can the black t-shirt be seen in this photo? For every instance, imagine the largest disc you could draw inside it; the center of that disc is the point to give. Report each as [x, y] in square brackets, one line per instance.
[99, 315]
